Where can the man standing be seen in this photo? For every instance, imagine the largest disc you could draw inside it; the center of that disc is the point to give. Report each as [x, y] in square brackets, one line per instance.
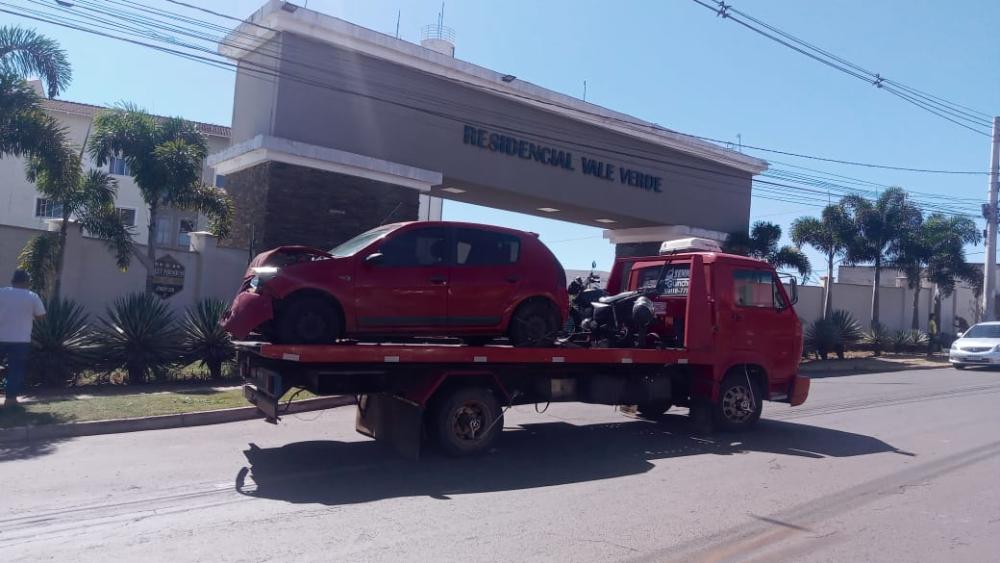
[19, 307]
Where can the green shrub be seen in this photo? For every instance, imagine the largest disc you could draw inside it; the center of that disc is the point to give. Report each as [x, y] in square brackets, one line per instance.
[62, 345]
[909, 340]
[877, 338]
[203, 339]
[139, 336]
[835, 334]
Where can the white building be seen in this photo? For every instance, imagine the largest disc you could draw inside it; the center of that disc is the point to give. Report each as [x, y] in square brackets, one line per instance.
[22, 206]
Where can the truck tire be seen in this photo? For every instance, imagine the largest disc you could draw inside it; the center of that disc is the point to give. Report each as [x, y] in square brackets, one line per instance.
[653, 411]
[740, 402]
[308, 320]
[533, 325]
[467, 421]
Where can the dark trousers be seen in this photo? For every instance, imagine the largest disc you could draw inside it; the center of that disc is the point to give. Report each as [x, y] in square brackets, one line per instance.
[16, 354]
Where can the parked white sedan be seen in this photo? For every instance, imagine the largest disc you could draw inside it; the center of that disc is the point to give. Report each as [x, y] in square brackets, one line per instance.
[980, 345]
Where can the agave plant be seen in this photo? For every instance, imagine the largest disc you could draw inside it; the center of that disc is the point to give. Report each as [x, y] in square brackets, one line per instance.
[139, 336]
[877, 337]
[203, 339]
[61, 344]
[909, 340]
[846, 331]
[820, 338]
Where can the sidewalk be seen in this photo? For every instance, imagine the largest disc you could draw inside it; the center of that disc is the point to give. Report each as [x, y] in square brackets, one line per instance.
[887, 362]
[108, 409]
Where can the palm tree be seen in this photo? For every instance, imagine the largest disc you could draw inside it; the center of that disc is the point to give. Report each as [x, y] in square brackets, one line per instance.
[164, 157]
[875, 230]
[946, 238]
[90, 197]
[24, 127]
[762, 243]
[826, 235]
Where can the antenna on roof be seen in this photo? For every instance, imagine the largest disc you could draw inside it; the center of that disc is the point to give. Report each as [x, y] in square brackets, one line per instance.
[441, 16]
[399, 14]
[585, 90]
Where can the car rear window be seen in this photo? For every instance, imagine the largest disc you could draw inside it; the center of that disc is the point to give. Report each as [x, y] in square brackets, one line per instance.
[474, 247]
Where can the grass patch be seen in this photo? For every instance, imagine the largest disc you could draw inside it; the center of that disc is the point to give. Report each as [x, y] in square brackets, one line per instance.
[123, 404]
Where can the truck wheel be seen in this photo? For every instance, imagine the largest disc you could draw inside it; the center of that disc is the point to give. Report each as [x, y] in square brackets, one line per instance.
[533, 325]
[309, 320]
[740, 403]
[653, 411]
[467, 421]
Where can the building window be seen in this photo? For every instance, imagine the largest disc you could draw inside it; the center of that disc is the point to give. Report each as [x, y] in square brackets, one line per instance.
[47, 209]
[163, 230]
[127, 216]
[118, 166]
[186, 226]
[220, 181]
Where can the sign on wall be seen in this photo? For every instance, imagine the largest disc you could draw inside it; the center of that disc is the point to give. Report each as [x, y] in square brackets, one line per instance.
[168, 276]
[544, 154]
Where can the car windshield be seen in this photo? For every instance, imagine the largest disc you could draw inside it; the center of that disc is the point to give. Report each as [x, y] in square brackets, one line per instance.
[983, 331]
[357, 243]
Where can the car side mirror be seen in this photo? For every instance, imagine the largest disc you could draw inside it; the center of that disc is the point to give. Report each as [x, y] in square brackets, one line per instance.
[795, 291]
[375, 258]
[958, 335]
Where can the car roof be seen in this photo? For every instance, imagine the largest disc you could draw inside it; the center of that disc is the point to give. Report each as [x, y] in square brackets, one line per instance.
[987, 323]
[481, 226]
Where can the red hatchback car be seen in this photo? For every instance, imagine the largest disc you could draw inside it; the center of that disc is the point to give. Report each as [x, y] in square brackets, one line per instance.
[429, 278]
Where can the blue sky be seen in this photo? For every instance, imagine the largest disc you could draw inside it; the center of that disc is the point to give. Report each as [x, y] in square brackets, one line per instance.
[671, 62]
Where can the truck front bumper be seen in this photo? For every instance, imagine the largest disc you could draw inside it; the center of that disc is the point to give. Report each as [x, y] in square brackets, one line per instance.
[798, 390]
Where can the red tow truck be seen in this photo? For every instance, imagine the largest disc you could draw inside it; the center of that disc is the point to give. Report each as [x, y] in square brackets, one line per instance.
[730, 339]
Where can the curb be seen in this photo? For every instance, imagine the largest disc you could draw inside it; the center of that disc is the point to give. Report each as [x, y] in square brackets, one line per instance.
[160, 422]
[836, 370]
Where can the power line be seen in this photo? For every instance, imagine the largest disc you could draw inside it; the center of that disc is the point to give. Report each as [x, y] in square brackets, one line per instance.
[767, 190]
[957, 114]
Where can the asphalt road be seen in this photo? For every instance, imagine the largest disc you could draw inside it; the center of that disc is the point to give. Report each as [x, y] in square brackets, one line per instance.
[900, 466]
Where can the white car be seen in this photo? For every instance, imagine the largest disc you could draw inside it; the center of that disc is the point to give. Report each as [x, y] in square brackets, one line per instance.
[980, 345]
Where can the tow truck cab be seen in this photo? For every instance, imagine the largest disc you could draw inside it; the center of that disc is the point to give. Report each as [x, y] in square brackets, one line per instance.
[739, 309]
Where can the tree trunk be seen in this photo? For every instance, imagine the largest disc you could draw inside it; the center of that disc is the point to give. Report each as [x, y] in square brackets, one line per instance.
[215, 369]
[60, 255]
[151, 247]
[915, 325]
[875, 288]
[828, 294]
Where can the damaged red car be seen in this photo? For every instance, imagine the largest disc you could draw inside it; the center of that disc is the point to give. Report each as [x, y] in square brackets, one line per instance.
[429, 278]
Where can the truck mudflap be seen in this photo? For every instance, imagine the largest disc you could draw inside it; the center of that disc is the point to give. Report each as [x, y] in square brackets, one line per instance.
[798, 390]
[393, 420]
[265, 403]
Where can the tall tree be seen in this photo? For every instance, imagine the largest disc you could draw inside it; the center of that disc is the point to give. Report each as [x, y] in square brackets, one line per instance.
[876, 229]
[827, 235]
[164, 157]
[88, 196]
[24, 128]
[762, 243]
[947, 236]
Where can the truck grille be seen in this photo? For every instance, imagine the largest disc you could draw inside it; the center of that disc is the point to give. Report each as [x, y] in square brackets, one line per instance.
[976, 348]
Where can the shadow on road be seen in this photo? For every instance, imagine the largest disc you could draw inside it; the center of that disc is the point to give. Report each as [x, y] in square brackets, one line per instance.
[530, 456]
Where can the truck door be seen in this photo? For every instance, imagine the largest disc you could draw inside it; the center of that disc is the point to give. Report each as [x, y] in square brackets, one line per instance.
[761, 318]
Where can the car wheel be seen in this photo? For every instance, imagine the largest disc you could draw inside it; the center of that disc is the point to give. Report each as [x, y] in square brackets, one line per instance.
[466, 421]
[533, 325]
[740, 403]
[653, 411]
[309, 320]
[959, 366]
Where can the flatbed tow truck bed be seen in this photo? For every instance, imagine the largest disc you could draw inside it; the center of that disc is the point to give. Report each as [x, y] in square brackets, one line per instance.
[456, 395]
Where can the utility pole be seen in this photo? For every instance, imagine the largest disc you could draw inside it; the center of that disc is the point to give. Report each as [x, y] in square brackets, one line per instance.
[990, 212]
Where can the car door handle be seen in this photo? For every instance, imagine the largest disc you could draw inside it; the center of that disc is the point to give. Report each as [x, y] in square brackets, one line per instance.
[438, 280]
[513, 279]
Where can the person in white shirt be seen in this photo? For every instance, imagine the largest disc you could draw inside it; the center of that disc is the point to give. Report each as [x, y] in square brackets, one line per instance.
[19, 307]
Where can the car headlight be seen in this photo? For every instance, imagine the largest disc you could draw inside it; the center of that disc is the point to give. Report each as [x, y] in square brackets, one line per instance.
[954, 345]
[996, 348]
[261, 275]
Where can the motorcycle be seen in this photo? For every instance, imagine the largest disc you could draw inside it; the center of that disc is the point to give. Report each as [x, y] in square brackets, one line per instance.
[582, 295]
[623, 321]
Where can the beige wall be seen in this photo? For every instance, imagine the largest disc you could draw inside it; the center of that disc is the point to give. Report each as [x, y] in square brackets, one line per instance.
[895, 305]
[91, 277]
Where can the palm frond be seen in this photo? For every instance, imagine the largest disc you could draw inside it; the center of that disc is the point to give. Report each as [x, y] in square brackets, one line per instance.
[26, 52]
[38, 258]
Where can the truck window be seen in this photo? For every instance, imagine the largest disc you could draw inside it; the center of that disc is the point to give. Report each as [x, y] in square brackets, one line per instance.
[756, 288]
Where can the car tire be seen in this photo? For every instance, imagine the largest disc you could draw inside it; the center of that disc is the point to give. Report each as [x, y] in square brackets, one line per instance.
[308, 320]
[740, 403]
[533, 325]
[466, 421]
[959, 366]
[653, 411]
